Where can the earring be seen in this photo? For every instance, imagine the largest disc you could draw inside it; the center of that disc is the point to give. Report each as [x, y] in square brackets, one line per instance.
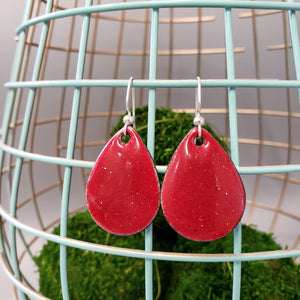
[123, 190]
[202, 197]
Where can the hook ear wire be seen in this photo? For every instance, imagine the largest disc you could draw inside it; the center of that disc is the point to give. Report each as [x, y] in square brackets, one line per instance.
[198, 120]
[129, 119]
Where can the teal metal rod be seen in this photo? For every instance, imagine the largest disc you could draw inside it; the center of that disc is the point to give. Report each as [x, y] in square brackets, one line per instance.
[10, 99]
[170, 256]
[6, 122]
[18, 283]
[156, 5]
[70, 152]
[151, 142]
[22, 145]
[295, 41]
[158, 83]
[237, 246]
[250, 170]
[8, 110]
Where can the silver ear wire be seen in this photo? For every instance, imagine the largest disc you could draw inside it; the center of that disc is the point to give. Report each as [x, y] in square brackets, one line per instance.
[129, 119]
[198, 120]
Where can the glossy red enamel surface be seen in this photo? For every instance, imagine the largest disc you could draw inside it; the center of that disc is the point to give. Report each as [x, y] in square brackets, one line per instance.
[202, 197]
[123, 189]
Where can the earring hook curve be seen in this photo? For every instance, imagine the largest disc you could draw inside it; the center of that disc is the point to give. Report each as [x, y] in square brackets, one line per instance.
[198, 120]
[129, 119]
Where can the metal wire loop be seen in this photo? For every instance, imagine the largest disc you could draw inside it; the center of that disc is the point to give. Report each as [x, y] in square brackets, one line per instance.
[198, 120]
[129, 119]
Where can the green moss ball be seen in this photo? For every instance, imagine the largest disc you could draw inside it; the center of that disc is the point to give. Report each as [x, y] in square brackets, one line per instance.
[92, 275]
[261, 280]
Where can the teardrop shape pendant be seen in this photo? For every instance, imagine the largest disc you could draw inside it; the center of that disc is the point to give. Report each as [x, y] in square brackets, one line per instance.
[122, 191]
[202, 197]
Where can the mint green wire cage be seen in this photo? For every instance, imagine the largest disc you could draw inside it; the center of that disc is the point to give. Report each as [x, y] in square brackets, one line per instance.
[67, 89]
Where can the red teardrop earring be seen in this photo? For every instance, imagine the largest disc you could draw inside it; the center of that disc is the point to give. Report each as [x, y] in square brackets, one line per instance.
[122, 191]
[202, 197]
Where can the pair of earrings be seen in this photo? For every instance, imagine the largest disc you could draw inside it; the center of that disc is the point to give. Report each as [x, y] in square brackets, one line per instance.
[202, 195]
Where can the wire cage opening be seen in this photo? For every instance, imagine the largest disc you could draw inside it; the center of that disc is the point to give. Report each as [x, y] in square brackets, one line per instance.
[67, 90]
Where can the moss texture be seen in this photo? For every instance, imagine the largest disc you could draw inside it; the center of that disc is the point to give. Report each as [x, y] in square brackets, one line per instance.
[95, 276]
[271, 279]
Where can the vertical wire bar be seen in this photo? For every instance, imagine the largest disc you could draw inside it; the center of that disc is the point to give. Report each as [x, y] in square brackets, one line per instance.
[199, 42]
[260, 117]
[151, 142]
[295, 41]
[70, 152]
[34, 116]
[144, 55]
[170, 58]
[88, 92]
[22, 144]
[63, 95]
[8, 111]
[289, 120]
[14, 77]
[18, 95]
[116, 73]
[234, 143]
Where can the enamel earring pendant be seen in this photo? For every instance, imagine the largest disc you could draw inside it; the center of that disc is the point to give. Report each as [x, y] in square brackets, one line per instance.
[202, 197]
[123, 192]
